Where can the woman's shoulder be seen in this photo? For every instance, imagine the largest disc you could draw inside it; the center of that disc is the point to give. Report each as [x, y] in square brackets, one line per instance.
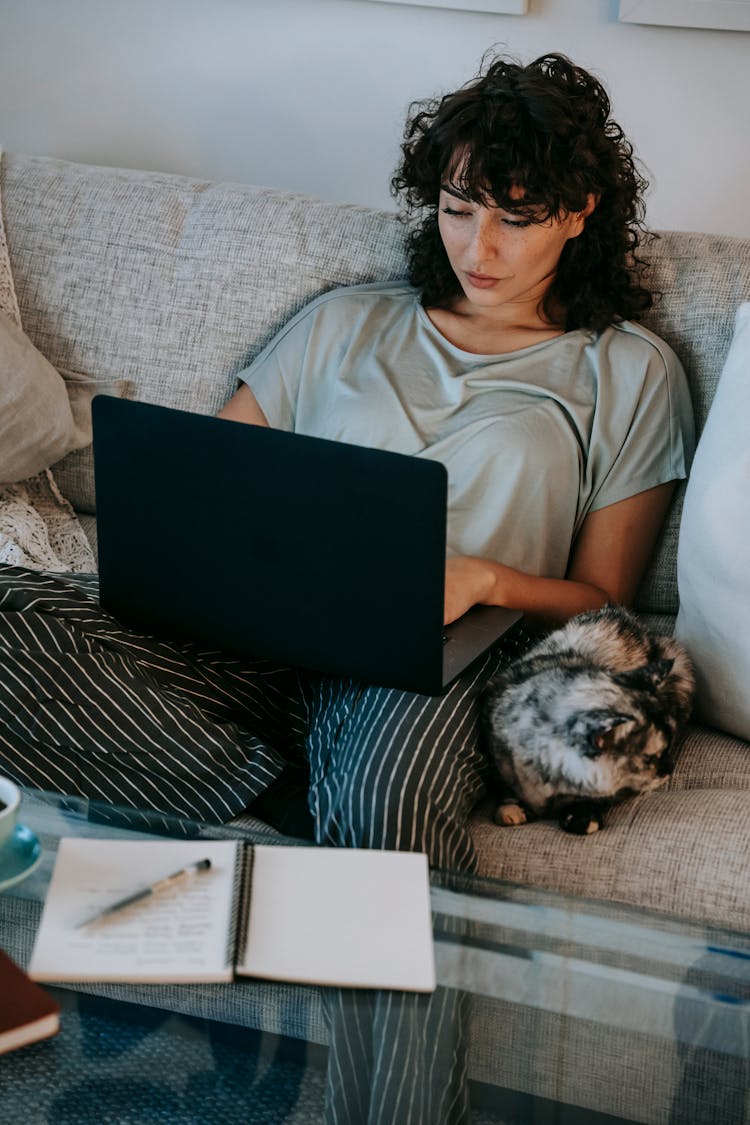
[639, 372]
[342, 306]
[367, 295]
[632, 343]
[632, 363]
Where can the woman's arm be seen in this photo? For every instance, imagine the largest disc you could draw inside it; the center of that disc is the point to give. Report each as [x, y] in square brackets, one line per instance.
[607, 563]
[243, 407]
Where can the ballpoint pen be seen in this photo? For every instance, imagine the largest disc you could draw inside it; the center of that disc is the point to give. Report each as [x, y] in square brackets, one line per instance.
[155, 888]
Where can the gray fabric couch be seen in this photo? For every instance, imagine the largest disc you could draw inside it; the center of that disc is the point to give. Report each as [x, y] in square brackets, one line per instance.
[174, 284]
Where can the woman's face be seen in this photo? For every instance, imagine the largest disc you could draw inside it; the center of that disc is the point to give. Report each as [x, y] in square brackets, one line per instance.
[498, 257]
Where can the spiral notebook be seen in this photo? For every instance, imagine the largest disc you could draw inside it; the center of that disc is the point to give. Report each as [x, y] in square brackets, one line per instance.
[333, 916]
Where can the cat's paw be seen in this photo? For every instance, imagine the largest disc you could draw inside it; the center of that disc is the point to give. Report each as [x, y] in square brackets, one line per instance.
[581, 821]
[509, 813]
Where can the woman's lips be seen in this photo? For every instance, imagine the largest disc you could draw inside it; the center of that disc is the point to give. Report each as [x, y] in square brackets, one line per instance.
[481, 280]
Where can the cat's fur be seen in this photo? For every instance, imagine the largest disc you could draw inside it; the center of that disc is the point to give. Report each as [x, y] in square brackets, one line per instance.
[585, 719]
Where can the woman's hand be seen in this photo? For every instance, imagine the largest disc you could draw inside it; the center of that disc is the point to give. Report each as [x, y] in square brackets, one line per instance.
[473, 581]
[468, 581]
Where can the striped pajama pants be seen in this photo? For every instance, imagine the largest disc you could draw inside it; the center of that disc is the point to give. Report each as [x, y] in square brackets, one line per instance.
[90, 707]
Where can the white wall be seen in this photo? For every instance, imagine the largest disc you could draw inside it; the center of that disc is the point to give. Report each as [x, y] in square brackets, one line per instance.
[310, 95]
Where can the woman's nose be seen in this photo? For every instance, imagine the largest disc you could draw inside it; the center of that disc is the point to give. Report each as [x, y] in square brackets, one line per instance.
[484, 239]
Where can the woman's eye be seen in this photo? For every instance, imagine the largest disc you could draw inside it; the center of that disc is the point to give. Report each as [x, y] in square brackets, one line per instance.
[517, 222]
[453, 211]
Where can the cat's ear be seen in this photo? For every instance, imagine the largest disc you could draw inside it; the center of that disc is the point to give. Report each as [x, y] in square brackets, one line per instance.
[603, 727]
[647, 677]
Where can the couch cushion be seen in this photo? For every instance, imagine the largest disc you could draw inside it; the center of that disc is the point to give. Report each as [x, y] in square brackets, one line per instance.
[681, 850]
[37, 426]
[701, 279]
[677, 853]
[708, 759]
[713, 560]
[170, 283]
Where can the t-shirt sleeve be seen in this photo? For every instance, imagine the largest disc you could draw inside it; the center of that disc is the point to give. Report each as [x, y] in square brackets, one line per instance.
[644, 431]
[274, 375]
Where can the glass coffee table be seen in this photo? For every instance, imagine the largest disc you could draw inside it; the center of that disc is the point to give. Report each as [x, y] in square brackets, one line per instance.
[582, 1013]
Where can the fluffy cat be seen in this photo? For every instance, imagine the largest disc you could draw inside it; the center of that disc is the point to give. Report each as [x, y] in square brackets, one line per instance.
[585, 719]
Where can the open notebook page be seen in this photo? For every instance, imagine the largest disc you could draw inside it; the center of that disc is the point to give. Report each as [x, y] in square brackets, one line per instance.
[340, 916]
[179, 934]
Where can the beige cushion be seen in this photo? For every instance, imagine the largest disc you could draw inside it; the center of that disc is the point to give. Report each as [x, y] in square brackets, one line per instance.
[37, 426]
[713, 557]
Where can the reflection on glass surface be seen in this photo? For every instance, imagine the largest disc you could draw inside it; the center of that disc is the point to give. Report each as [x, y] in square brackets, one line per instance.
[571, 1004]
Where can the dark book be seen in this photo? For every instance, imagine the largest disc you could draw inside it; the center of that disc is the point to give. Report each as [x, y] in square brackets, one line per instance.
[27, 1012]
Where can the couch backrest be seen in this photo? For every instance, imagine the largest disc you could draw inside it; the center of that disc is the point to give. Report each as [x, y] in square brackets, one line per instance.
[174, 284]
[169, 283]
[701, 280]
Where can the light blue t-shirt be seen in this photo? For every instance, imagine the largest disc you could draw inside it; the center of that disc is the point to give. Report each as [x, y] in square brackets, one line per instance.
[533, 440]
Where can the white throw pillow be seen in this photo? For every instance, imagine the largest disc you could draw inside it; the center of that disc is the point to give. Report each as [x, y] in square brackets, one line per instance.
[713, 555]
[37, 426]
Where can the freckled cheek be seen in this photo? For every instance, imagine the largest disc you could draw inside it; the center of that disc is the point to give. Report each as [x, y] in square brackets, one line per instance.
[541, 260]
[452, 241]
[456, 252]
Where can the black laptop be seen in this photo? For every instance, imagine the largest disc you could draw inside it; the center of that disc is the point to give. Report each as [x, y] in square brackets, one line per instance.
[299, 550]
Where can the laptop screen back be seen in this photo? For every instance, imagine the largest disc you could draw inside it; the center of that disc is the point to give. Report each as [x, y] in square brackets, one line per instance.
[265, 544]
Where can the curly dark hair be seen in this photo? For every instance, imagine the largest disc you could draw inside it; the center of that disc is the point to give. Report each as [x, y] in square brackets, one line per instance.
[545, 128]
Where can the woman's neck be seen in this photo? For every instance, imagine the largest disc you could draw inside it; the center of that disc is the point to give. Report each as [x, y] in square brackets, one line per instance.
[493, 331]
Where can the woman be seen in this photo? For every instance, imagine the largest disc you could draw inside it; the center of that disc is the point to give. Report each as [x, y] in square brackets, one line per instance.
[564, 429]
[530, 230]
[511, 357]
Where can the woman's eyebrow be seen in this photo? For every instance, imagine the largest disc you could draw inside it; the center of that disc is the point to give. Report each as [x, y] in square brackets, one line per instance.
[449, 189]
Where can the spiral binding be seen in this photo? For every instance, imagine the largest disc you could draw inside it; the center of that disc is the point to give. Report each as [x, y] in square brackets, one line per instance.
[240, 918]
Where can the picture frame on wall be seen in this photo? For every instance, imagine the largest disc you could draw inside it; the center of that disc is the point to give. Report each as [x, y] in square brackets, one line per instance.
[722, 15]
[499, 7]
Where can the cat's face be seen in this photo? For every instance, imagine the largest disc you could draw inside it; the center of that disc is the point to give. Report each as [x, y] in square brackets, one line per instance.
[602, 736]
